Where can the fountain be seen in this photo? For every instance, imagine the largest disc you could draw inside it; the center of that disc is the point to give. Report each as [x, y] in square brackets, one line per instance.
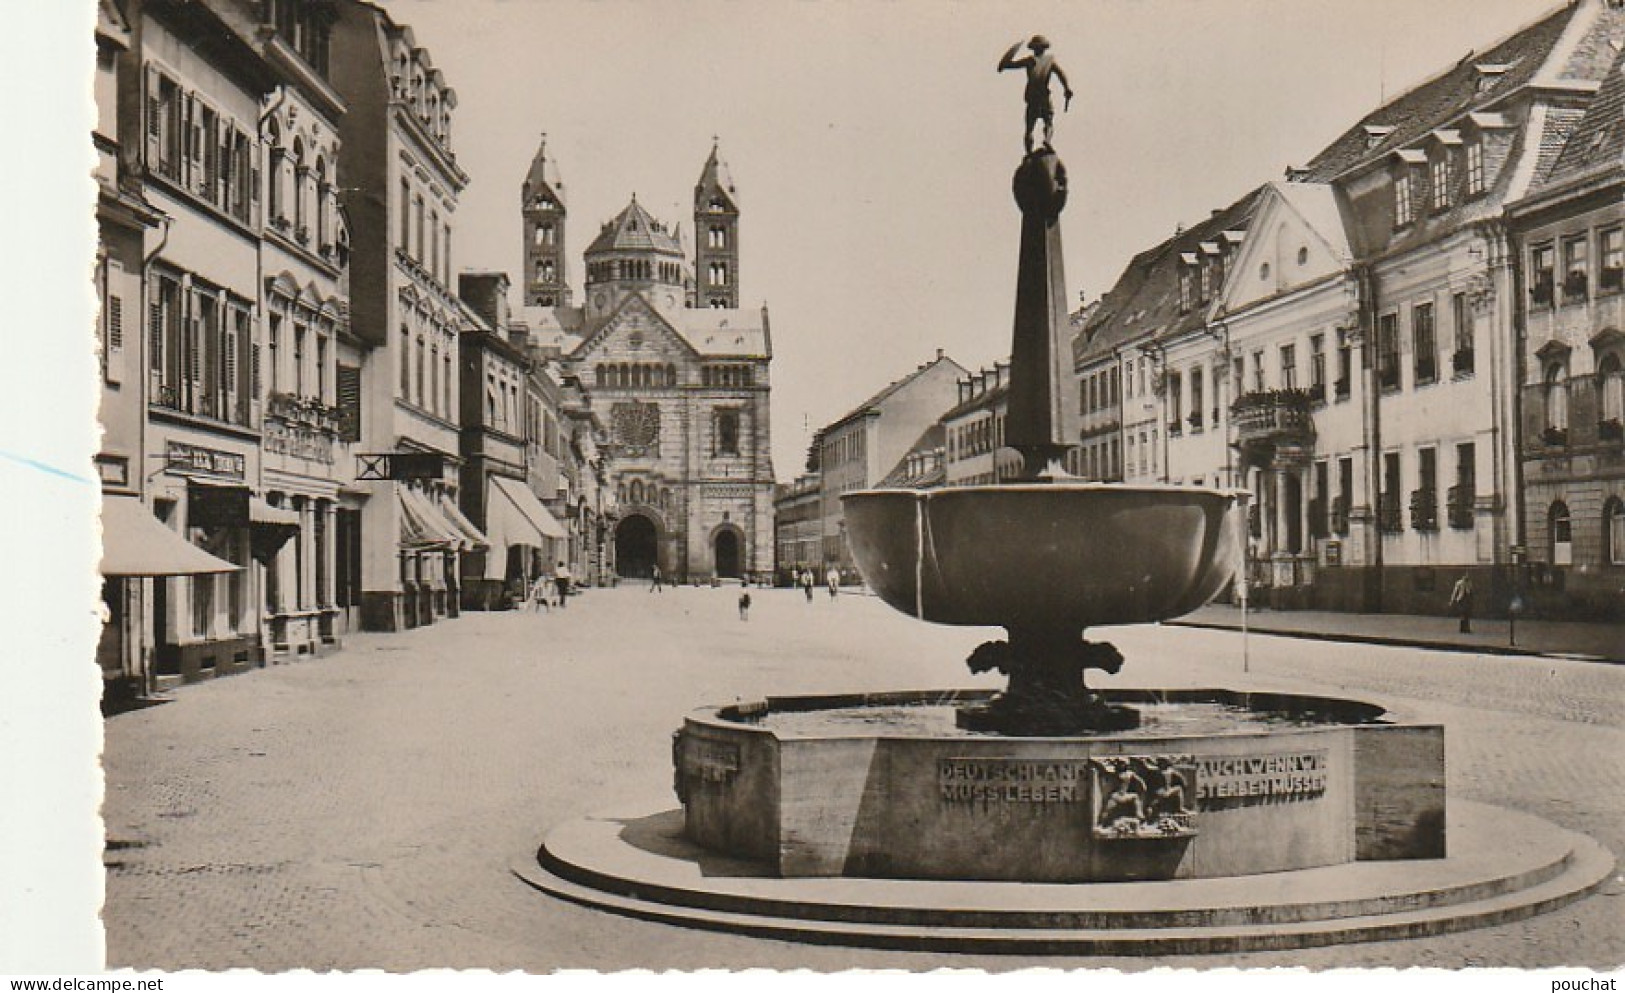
[1050, 817]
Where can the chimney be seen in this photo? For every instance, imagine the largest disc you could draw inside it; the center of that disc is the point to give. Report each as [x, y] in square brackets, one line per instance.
[939, 355]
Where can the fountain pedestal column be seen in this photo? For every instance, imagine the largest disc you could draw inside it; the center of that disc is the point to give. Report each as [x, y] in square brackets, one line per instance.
[1037, 424]
[1046, 695]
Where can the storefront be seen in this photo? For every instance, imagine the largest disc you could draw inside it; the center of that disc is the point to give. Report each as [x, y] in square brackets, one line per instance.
[525, 541]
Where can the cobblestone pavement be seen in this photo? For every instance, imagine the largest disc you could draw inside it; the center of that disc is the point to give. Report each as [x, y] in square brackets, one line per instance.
[362, 810]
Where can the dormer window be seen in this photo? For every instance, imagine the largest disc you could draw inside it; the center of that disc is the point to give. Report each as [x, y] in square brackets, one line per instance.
[1442, 177]
[1186, 281]
[1404, 199]
[1376, 134]
[1475, 167]
[1490, 74]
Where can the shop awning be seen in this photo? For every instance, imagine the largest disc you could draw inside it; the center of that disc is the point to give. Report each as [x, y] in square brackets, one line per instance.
[523, 500]
[423, 526]
[469, 532]
[135, 543]
[271, 527]
[514, 517]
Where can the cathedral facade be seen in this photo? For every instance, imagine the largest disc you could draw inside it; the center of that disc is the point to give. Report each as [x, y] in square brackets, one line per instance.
[677, 371]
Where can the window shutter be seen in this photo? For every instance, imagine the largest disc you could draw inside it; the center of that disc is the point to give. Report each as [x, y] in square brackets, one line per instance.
[154, 110]
[349, 397]
[254, 370]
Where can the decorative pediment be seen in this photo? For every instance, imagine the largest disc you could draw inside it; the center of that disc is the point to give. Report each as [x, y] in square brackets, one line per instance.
[1553, 351]
[1296, 238]
[639, 327]
[1606, 338]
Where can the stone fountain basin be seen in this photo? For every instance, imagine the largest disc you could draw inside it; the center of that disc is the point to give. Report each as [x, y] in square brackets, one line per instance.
[1055, 554]
[1343, 783]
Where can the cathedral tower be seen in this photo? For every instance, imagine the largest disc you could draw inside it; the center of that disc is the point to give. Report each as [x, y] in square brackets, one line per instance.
[716, 236]
[547, 281]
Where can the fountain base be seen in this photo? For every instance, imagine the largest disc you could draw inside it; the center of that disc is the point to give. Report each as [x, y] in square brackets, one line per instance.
[1046, 718]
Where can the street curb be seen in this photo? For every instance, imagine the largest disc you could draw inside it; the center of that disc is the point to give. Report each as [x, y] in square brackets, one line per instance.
[1374, 639]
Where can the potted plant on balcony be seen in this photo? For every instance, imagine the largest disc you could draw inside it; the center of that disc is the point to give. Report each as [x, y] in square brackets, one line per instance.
[1554, 436]
[1610, 430]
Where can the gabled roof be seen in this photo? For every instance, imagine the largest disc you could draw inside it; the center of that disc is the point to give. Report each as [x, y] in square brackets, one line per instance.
[988, 399]
[726, 333]
[1480, 80]
[874, 401]
[1598, 139]
[1145, 301]
[635, 230]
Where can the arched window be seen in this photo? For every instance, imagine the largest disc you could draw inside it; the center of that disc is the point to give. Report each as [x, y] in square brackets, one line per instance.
[276, 205]
[301, 182]
[324, 212]
[1611, 391]
[1560, 534]
[1613, 531]
[1557, 398]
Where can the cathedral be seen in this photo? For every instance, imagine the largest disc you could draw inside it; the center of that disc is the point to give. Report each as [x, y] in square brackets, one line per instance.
[676, 370]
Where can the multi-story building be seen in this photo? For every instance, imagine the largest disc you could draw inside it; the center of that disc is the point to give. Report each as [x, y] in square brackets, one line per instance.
[1355, 323]
[973, 431]
[1569, 234]
[398, 159]
[308, 361]
[505, 424]
[677, 371]
[193, 83]
[798, 528]
[857, 450]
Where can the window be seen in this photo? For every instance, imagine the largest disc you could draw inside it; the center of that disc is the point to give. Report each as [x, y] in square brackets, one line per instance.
[1258, 371]
[1441, 178]
[727, 432]
[1388, 351]
[1195, 417]
[1345, 365]
[417, 216]
[445, 256]
[1422, 337]
[1345, 495]
[1475, 167]
[1611, 260]
[1542, 263]
[1557, 404]
[1462, 495]
[1289, 367]
[1613, 532]
[1175, 396]
[423, 351]
[1317, 367]
[1576, 269]
[298, 360]
[1388, 519]
[1404, 206]
[1611, 393]
[1425, 498]
[434, 242]
[1559, 534]
[1186, 278]
[1461, 319]
[406, 216]
[406, 363]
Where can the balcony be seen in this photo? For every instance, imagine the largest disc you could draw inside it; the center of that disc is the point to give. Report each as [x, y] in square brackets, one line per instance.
[1555, 437]
[1459, 507]
[1267, 419]
[1388, 517]
[304, 412]
[1424, 510]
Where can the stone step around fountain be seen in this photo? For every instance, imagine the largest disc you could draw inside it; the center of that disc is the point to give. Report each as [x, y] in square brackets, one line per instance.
[1507, 866]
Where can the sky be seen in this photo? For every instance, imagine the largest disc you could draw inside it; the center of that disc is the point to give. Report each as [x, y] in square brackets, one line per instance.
[873, 143]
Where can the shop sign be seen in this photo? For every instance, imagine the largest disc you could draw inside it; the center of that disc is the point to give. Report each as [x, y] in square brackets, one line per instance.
[185, 459]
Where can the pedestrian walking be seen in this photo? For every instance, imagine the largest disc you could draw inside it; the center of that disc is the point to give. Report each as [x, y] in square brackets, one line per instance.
[1461, 602]
[654, 581]
[744, 606]
[561, 582]
[539, 588]
[807, 583]
[833, 578]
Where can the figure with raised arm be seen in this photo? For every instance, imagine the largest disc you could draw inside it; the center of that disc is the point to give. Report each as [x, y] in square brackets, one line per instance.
[1040, 66]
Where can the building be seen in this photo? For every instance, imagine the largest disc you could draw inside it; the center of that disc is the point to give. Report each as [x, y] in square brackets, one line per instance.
[673, 370]
[1568, 233]
[858, 449]
[798, 528]
[1350, 333]
[309, 361]
[404, 316]
[193, 82]
[509, 423]
[973, 431]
